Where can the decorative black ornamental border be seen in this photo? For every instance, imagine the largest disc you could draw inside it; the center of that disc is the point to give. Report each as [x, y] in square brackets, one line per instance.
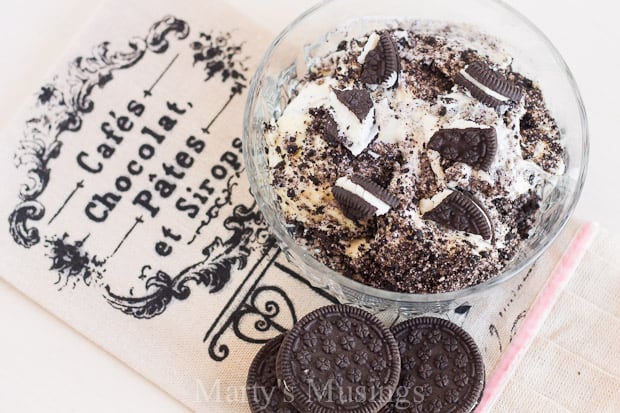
[247, 231]
[60, 106]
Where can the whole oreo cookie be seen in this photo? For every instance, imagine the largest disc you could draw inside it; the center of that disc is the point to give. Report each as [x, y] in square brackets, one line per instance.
[442, 369]
[263, 393]
[339, 359]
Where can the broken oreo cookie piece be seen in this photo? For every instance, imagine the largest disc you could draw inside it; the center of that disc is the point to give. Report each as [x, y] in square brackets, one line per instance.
[462, 212]
[354, 113]
[360, 198]
[357, 101]
[376, 190]
[487, 85]
[382, 64]
[474, 146]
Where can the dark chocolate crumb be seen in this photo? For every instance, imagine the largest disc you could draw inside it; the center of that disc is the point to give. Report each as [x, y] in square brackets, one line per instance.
[292, 148]
[527, 121]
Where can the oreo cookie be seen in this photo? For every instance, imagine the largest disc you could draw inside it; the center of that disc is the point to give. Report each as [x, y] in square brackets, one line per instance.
[357, 130]
[382, 64]
[442, 368]
[339, 359]
[361, 198]
[353, 206]
[463, 212]
[487, 85]
[263, 393]
[474, 146]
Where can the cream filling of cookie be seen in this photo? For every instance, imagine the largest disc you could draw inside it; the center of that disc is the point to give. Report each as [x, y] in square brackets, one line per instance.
[391, 80]
[346, 184]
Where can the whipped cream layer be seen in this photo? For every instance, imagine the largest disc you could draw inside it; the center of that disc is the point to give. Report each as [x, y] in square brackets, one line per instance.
[399, 249]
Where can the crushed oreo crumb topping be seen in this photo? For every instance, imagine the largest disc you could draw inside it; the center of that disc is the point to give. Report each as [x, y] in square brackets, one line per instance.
[400, 251]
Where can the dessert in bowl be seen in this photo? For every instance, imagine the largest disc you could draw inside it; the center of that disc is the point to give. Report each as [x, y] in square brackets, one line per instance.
[418, 160]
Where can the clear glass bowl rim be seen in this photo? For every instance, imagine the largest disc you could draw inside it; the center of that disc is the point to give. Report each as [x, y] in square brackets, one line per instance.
[400, 297]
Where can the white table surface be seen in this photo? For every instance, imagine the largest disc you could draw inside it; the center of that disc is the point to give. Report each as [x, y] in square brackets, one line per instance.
[45, 366]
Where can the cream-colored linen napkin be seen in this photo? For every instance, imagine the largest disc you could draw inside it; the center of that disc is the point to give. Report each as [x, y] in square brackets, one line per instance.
[129, 215]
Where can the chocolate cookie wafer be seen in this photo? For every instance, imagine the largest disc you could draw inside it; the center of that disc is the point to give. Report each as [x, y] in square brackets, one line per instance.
[325, 125]
[442, 369]
[358, 101]
[339, 359]
[263, 393]
[382, 64]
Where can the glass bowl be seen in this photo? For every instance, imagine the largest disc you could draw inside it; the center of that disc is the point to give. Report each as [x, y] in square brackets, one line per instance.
[534, 56]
